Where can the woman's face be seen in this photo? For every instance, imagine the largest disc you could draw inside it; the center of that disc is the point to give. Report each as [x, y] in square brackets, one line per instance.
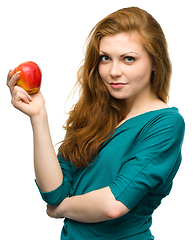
[125, 66]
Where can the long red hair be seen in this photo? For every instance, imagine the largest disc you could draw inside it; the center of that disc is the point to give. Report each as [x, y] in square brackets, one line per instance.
[95, 116]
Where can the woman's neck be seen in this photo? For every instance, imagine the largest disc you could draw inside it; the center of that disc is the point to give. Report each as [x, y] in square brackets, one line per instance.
[145, 104]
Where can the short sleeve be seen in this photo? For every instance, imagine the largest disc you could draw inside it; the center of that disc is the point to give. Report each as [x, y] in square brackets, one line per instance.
[56, 196]
[154, 161]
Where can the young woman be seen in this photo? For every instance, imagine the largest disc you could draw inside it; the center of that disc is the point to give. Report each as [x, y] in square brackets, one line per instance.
[123, 142]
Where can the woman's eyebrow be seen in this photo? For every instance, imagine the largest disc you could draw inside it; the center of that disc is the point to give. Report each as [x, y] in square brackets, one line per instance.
[103, 52]
[128, 53]
[121, 55]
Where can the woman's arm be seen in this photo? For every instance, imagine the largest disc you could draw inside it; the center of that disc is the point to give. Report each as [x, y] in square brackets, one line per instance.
[96, 206]
[47, 168]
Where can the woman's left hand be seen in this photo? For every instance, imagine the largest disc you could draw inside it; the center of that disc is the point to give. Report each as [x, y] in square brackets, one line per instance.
[54, 211]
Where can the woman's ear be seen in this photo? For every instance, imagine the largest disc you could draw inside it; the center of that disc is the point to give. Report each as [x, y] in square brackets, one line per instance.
[154, 68]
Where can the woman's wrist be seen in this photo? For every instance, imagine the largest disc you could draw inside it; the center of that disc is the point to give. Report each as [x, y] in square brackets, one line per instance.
[41, 116]
[62, 208]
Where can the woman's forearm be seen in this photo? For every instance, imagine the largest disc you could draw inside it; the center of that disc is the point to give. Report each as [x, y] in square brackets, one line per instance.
[96, 206]
[47, 168]
[88, 208]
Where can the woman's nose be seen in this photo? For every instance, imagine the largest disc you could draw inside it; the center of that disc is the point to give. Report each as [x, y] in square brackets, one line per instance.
[115, 70]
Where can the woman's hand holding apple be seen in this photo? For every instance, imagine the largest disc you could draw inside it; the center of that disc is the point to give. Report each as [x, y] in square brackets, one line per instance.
[30, 105]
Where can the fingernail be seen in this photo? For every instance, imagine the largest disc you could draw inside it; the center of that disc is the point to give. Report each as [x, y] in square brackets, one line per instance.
[18, 73]
[29, 97]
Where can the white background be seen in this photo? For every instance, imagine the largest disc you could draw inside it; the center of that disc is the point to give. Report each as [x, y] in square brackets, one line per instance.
[52, 33]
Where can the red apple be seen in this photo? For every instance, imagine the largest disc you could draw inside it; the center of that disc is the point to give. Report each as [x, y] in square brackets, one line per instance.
[30, 77]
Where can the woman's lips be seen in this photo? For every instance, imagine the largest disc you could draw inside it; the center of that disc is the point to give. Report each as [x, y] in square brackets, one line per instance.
[117, 85]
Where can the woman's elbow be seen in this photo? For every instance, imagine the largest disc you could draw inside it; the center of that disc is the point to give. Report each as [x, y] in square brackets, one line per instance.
[116, 210]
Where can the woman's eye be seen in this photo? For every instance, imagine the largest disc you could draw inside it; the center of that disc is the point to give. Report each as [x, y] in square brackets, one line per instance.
[104, 58]
[129, 59]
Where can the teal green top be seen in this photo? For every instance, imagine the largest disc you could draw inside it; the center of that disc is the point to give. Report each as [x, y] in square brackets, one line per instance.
[138, 162]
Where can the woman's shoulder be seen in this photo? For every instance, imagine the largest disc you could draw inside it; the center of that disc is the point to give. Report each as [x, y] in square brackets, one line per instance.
[170, 116]
[166, 122]
[158, 117]
[161, 128]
